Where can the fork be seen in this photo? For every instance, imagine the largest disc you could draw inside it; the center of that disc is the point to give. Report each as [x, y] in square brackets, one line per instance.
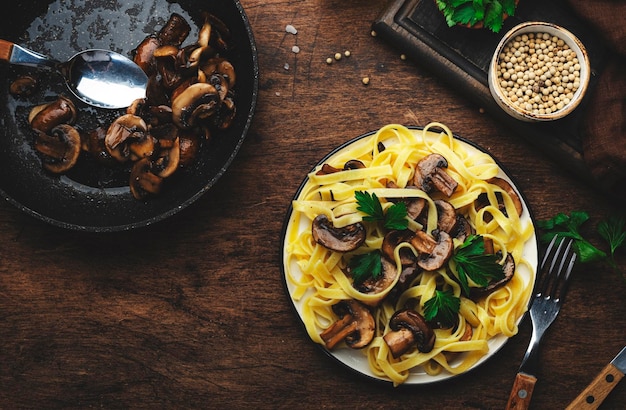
[556, 265]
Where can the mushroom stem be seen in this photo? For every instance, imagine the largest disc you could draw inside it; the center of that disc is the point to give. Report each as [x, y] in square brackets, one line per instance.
[409, 329]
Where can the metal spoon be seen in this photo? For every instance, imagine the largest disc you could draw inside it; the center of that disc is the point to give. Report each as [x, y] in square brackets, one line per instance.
[101, 78]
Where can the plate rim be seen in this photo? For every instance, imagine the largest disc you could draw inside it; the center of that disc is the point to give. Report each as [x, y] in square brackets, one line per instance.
[333, 357]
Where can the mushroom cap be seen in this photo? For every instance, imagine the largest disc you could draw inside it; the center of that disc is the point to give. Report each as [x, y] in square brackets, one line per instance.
[196, 103]
[60, 149]
[45, 117]
[429, 175]
[440, 255]
[419, 333]
[394, 238]
[508, 269]
[355, 326]
[142, 180]
[125, 130]
[446, 215]
[508, 188]
[382, 285]
[345, 239]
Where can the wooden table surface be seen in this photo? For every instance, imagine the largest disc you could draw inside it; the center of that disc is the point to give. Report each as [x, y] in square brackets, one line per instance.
[192, 312]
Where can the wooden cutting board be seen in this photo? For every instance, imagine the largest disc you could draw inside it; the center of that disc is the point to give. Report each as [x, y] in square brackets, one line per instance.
[461, 57]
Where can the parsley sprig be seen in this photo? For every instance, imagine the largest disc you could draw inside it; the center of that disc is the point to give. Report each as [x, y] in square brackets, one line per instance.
[394, 218]
[490, 12]
[613, 231]
[474, 264]
[443, 307]
[569, 226]
[364, 266]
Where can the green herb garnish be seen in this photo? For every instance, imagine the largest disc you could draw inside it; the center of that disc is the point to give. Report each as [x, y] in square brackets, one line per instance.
[613, 231]
[394, 218]
[442, 307]
[365, 266]
[472, 262]
[568, 226]
[471, 12]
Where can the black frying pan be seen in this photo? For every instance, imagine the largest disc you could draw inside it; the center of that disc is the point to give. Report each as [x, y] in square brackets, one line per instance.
[91, 197]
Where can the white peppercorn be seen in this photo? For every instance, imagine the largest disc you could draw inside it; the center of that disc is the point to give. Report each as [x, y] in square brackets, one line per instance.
[538, 72]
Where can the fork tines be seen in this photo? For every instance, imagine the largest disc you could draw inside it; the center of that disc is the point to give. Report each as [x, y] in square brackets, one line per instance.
[560, 258]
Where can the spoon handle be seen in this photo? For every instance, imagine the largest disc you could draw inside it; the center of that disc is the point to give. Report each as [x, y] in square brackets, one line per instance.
[16, 54]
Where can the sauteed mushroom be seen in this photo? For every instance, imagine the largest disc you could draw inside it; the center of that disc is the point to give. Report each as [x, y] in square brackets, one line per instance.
[355, 326]
[344, 239]
[197, 103]
[430, 174]
[143, 181]
[47, 116]
[381, 285]
[409, 330]
[440, 254]
[60, 149]
[123, 132]
[23, 86]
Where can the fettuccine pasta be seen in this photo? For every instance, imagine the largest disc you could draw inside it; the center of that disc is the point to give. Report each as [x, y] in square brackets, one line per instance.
[318, 277]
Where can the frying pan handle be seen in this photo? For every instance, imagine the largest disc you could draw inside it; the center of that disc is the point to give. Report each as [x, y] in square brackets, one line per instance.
[16, 54]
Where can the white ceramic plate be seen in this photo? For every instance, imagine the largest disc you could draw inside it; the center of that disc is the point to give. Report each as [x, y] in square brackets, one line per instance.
[355, 359]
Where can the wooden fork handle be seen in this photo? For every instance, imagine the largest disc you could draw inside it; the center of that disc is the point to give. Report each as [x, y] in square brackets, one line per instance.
[521, 392]
[598, 389]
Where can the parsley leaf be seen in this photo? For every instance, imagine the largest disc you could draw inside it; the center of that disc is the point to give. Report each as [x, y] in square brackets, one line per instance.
[613, 231]
[568, 226]
[364, 266]
[442, 307]
[370, 205]
[394, 218]
[473, 263]
[470, 12]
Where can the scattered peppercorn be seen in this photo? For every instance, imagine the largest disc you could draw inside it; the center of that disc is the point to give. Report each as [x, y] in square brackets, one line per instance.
[538, 73]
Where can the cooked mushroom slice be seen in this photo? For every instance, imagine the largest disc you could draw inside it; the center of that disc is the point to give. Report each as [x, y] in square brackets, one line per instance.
[353, 164]
[168, 161]
[394, 238]
[143, 55]
[143, 181]
[143, 147]
[45, 117]
[23, 86]
[327, 169]
[423, 242]
[60, 149]
[508, 269]
[189, 145]
[380, 286]
[93, 143]
[226, 113]
[197, 103]
[409, 330]
[344, 239]
[446, 215]
[355, 326]
[220, 66]
[440, 255]
[430, 174]
[175, 31]
[405, 279]
[122, 132]
[463, 229]
[506, 187]
[414, 207]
